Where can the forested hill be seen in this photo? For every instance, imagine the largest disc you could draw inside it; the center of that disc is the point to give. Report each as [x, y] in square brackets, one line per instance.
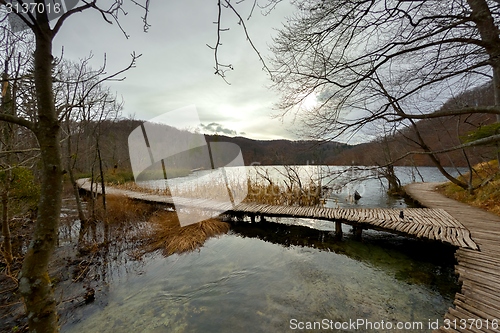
[272, 152]
[437, 133]
[115, 134]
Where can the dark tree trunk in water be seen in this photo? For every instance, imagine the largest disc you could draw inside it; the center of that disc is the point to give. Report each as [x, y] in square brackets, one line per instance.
[393, 180]
[34, 283]
[74, 185]
[7, 245]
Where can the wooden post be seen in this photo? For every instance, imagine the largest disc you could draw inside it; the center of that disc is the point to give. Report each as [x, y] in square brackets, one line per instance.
[252, 218]
[357, 231]
[338, 229]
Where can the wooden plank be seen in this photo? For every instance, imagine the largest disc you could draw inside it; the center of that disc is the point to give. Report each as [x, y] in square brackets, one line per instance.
[477, 307]
[471, 291]
[480, 266]
[460, 313]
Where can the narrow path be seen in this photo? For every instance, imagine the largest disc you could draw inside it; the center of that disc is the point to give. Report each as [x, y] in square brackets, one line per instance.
[477, 306]
[433, 224]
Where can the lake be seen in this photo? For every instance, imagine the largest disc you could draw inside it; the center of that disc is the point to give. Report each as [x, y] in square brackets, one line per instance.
[278, 276]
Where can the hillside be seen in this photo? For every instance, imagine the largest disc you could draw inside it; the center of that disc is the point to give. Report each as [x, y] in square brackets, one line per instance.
[438, 134]
[272, 152]
[115, 152]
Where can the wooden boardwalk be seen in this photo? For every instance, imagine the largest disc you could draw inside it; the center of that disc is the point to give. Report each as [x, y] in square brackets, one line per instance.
[433, 224]
[477, 306]
[475, 232]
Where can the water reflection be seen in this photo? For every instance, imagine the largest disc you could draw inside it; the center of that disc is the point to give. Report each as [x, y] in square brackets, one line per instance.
[409, 260]
[261, 275]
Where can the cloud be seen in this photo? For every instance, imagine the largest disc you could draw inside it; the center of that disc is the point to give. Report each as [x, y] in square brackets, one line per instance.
[176, 68]
[218, 129]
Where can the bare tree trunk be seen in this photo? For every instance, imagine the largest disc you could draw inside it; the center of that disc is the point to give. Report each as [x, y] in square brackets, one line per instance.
[485, 23]
[81, 214]
[101, 174]
[7, 244]
[8, 140]
[103, 193]
[496, 89]
[34, 284]
[79, 208]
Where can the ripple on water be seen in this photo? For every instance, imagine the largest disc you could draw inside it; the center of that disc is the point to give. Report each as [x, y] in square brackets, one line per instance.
[237, 284]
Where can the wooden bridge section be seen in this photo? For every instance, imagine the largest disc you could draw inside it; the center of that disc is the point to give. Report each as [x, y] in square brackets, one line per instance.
[477, 306]
[433, 224]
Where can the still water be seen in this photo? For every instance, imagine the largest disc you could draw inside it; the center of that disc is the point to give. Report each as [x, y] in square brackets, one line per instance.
[269, 277]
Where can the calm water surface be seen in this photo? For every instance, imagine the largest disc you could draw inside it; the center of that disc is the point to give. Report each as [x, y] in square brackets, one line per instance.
[262, 275]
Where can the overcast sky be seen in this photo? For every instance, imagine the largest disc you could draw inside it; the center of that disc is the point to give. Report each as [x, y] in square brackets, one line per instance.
[177, 68]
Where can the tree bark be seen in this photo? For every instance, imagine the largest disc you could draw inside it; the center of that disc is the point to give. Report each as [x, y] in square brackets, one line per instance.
[485, 23]
[34, 283]
[8, 107]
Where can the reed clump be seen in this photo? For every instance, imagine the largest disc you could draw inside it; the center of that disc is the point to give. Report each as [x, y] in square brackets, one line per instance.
[274, 194]
[152, 228]
[167, 235]
[133, 186]
[269, 193]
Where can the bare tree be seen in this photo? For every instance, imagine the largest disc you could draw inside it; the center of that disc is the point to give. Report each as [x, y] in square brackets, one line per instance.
[13, 60]
[79, 89]
[34, 283]
[376, 61]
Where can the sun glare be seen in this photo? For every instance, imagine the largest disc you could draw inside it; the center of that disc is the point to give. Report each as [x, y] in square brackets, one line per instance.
[309, 102]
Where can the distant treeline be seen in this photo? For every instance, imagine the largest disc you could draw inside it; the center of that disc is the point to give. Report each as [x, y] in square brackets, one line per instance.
[115, 152]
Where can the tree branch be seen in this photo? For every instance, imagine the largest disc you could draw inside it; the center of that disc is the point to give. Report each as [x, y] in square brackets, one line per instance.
[448, 113]
[17, 120]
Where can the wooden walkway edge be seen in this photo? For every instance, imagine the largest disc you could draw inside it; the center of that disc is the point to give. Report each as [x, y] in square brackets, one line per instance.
[477, 306]
[428, 223]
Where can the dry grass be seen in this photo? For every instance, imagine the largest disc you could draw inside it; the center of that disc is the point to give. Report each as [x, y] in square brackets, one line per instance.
[486, 197]
[158, 229]
[122, 209]
[132, 186]
[273, 194]
[215, 188]
[259, 191]
[167, 235]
